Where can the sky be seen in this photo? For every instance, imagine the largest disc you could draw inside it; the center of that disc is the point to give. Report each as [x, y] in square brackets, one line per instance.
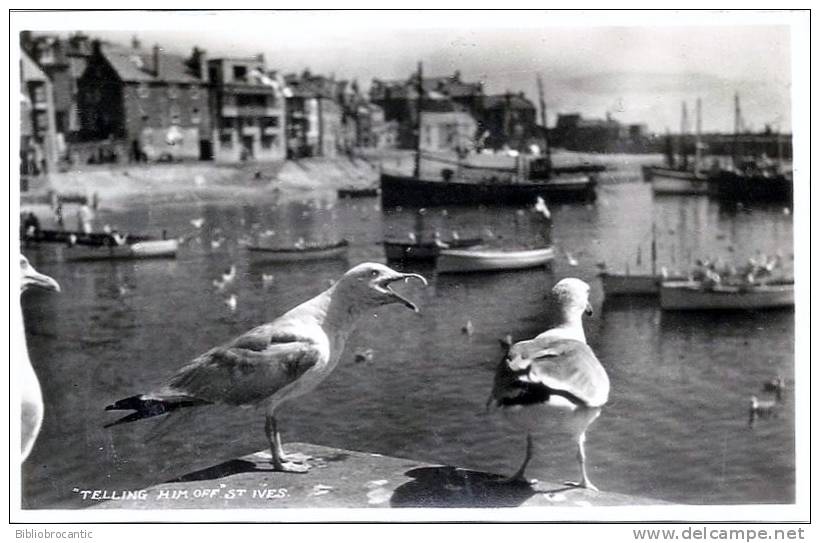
[637, 67]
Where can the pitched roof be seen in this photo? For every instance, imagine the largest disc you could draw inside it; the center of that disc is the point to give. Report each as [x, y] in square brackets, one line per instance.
[515, 101]
[136, 65]
[30, 71]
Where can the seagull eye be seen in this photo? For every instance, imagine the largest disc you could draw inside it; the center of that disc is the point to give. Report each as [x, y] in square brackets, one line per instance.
[374, 273]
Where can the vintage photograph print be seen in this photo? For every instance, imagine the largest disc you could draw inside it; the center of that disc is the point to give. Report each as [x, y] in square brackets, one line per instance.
[523, 263]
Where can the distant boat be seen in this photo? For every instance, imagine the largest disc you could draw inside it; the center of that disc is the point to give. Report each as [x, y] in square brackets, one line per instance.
[683, 179]
[691, 295]
[299, 254]
[485, 260]
[424, 251]
[672, 181]
[164, 248]
[358, 192]
[752, 185]
[628, 284]
[398, 190]
[77, 237]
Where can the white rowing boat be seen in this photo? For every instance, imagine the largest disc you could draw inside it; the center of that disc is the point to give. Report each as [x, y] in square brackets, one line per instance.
[482, 260]
[692, 295]
[163, 248]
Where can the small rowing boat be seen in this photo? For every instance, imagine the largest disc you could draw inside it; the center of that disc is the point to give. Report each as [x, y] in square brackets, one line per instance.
[162, 248]
[485, 260]
[424, 251]
[693, 295]
[300, 253]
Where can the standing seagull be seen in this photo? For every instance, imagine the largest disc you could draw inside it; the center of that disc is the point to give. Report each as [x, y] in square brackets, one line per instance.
[554, 376]
[278, 361]
[32, 397]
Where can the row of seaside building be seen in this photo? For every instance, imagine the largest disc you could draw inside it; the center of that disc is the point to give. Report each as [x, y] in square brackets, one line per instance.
[88, 101]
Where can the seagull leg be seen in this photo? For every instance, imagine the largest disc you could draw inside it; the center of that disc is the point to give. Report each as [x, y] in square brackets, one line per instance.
[279, 463]
[518, 476]
[294, 457]
[582, 457]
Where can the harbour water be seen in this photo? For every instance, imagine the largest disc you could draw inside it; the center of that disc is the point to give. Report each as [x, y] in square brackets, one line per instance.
[676, 427]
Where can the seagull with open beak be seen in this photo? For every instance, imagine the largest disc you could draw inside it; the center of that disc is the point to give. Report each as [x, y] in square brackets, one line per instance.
[277, 361]
[31, 395]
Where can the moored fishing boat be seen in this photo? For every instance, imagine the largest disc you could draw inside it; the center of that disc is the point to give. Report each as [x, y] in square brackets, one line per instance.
[693, 295]
[486, 259]
[300, 253]
[162, 248]
[671, 181]
[424, 251]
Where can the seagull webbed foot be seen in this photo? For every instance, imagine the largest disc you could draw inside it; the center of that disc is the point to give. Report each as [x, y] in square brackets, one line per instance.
[290, 467]
[582, 484]
[298, 458]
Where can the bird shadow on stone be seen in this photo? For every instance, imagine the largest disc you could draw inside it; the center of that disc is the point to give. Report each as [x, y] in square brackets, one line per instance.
[225, 469]
[443, 486]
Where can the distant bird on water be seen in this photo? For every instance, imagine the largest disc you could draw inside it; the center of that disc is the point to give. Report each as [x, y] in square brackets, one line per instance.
[32, 397]
[277, 361]
[554, 376]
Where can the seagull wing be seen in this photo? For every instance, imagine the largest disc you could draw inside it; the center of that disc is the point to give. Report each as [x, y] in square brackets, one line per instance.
[536, 369]
[248, 370]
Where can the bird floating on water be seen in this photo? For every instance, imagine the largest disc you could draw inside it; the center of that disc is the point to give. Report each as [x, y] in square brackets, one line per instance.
[277, 361]
[776, 385]
[571, 260]
[364, 356]
[231, 302]
[267, 279]
[227, 277]
[760, 409]
[541, 207]
[467, 328]
[31, 395]
[197, 223]
[554, 377]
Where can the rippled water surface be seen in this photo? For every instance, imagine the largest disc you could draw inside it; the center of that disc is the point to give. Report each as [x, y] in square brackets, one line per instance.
[676, 427]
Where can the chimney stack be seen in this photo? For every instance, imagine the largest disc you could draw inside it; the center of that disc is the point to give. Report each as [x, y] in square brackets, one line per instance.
[156, 61]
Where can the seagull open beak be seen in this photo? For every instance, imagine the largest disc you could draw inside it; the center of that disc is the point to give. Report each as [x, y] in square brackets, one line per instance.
[33, 278]
[395, 295]
[588, 309]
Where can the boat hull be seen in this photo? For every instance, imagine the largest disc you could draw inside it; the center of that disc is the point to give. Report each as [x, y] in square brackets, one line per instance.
[669, 181]
[143, 249]
[615, 284]
[398, 190]
[685, 295]
[271, 254]
[469, 261]
[729, 185]
[396, 250]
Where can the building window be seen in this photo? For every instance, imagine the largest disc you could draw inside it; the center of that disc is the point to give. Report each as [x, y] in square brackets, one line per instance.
[145, 119]
[269, 142]
[240, 73]
[225, 141]
[193, 92]
[271, 122]
[175, 114]
[143, 91]
[173, 92]
[195, 116]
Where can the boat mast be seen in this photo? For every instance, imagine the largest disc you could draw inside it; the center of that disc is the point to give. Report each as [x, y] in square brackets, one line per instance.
[420, 93]
[697, 137]
[654, 251]
[737, 129]
[543, 106]
[684, 127]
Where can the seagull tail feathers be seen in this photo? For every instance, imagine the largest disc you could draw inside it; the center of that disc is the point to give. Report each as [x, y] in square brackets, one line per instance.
[145, 407]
